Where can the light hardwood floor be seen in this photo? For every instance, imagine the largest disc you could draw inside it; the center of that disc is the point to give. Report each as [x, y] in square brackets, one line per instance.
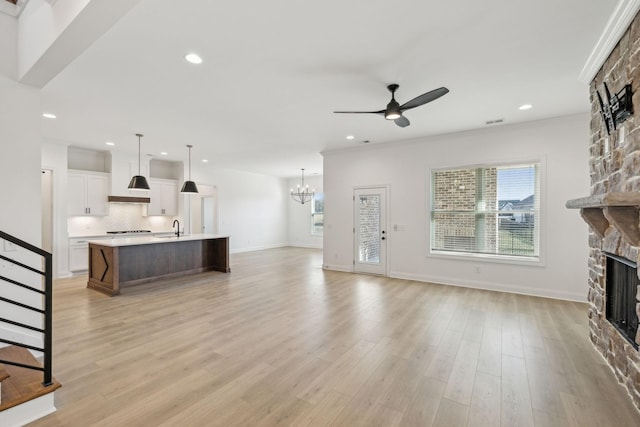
[279, 341]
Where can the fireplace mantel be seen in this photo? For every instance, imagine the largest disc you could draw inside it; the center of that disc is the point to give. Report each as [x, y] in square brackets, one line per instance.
[619, 210]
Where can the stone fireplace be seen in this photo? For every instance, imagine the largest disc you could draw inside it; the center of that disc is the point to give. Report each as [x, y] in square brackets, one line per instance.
[613, 213]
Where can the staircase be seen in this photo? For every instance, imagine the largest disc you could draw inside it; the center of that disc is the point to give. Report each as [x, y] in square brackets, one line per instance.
[3, 376]
[19, 385]
[26, 384]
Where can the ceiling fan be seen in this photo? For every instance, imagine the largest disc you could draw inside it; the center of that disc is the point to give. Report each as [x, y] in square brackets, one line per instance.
[394, 110]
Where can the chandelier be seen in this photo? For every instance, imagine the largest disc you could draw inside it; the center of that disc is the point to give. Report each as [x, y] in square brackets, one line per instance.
[302, 194]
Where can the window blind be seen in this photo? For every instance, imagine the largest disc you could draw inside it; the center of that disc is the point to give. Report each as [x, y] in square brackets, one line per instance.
[492, 210]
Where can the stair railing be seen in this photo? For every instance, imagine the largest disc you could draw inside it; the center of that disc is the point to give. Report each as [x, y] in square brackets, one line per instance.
[46, 313]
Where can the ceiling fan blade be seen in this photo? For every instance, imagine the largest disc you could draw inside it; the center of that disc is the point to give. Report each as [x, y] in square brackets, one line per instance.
[402, 121]
[360, 112]
[424, 98]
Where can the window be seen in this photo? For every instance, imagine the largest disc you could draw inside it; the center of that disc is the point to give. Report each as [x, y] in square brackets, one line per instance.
[490, 210]
[317, 214]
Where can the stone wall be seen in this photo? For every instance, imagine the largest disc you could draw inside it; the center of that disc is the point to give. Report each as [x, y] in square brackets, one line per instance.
[614, 167]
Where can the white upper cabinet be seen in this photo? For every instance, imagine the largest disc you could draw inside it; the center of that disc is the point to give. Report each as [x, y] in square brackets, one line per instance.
[164, 197]
[87, 193]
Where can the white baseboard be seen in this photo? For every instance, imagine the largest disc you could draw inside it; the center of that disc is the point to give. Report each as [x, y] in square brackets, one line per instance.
[335, 267]
[257, 248]
[64, 274]
[28, 412]
[305, 246]
[491, 286]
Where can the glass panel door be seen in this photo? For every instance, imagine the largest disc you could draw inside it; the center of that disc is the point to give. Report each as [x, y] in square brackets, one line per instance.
[370, 230]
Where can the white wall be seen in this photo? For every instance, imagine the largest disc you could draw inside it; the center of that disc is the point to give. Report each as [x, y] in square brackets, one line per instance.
[50, 36]
[54, 157]
[20, 195]
[8, 46]
[20, 162]
[561, 143]
[40, 25]
[299, 228]
[252, 208]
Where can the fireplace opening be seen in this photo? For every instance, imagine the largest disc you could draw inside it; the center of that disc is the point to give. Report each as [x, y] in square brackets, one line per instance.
[622, 288]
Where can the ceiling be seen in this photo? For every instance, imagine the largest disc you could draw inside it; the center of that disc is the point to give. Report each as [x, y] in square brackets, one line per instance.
[274, 72]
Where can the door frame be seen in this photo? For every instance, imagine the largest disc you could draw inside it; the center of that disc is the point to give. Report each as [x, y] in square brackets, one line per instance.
[385, 227]
[214, 206]
[195, 207]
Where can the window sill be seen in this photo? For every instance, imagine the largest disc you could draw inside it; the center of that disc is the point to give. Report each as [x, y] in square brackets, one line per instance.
[499, 259]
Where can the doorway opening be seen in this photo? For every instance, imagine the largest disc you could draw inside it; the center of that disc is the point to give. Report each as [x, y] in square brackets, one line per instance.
[204, 210]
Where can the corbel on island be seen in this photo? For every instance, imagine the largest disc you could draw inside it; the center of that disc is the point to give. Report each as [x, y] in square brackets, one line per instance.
[620, 210]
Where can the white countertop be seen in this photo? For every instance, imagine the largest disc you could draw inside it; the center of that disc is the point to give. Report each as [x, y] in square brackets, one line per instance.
[120, 235]
[148, 240]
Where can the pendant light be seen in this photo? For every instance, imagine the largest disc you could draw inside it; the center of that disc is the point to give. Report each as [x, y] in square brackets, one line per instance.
[189, 186]
[302, 195]
[139, 182]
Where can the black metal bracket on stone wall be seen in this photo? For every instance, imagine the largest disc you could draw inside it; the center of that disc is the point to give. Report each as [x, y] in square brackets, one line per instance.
[618, 107]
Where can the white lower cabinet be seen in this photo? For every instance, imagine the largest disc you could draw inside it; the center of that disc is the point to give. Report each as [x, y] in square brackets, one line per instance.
[78, 255]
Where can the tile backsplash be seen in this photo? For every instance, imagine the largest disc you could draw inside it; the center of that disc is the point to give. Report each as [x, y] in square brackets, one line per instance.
[122, 216]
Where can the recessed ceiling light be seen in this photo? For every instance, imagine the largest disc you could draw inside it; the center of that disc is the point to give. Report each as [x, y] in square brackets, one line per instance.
[350, 136]
[205, 161]
[49, 115]
[110, 143]
[525, 106]
[194, 58]
[164, 153]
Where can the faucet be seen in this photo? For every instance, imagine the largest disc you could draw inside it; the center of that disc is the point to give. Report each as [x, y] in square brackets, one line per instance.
[174, 224]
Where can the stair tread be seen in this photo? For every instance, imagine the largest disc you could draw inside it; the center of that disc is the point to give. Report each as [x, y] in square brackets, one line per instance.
[23, 384]
[3, 373]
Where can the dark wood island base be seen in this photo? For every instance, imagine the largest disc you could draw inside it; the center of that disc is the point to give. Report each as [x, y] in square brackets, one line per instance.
[118, 263]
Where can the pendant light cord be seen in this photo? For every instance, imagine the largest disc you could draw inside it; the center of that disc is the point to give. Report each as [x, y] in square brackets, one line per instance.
[189, 161]
[139, 135]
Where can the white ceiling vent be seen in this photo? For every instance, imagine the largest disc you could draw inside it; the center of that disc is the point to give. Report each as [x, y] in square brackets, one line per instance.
[493, 122]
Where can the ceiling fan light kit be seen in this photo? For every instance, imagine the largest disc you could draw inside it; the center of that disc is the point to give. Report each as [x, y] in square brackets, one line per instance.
[394, 110]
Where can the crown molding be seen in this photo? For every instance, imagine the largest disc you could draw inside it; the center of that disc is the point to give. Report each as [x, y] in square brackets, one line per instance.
[617, 24]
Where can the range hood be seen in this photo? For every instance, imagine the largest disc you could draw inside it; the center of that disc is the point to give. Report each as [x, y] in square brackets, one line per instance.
[128, 199]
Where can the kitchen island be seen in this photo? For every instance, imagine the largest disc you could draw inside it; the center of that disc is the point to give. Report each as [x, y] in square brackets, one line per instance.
[116, 263]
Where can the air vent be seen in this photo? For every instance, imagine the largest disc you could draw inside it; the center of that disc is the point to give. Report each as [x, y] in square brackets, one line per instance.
[493, 122]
